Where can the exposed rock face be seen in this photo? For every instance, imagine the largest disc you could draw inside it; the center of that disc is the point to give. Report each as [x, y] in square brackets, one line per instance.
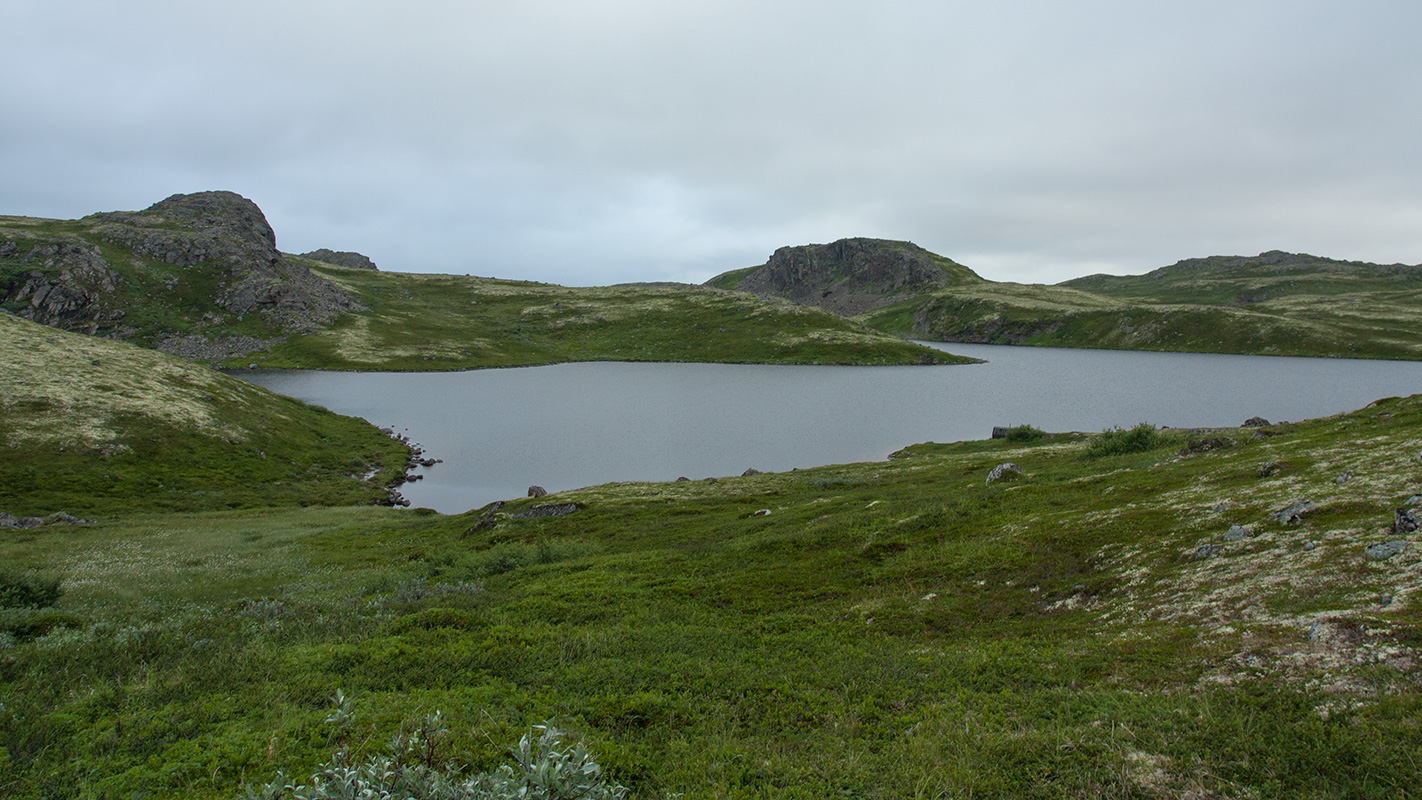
[341, 259]
[229, 230]
[213, 239]
[852, 276]
[72, 288]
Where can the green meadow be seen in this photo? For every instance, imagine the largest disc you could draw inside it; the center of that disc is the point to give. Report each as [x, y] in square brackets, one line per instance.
[1091, 627]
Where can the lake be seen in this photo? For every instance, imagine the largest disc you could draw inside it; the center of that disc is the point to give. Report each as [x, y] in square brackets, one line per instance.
[572, 425]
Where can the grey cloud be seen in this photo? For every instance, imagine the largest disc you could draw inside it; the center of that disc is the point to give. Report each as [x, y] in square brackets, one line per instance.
[599, 142]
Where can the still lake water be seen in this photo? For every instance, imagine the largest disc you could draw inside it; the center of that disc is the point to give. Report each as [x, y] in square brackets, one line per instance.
[573, 425]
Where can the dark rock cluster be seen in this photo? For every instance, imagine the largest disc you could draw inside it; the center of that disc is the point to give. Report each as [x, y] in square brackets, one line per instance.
[71, 287]
[851, 276]
[417, 458]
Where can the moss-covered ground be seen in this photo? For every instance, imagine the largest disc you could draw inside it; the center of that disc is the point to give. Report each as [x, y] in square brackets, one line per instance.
[422, 322]
[896, 629]
[92, 426]
[1314, 307]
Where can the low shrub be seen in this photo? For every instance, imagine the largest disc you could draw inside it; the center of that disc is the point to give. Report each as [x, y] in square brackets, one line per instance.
[1119, 441]
[1024, 433]
[28, 590]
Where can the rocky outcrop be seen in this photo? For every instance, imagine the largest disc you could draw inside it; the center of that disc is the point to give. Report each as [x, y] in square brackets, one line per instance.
[341, 259]
[71, 287]
[852, 276]
[216, 259]
[232, 234]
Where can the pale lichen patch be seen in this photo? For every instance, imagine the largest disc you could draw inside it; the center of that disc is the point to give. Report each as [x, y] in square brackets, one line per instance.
[68, 389]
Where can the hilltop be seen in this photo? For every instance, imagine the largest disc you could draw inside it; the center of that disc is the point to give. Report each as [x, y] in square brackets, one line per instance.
[1275, 303]
[849, 276]
[200, 276]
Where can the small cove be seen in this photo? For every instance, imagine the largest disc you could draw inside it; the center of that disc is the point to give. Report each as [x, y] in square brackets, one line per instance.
[571, 425]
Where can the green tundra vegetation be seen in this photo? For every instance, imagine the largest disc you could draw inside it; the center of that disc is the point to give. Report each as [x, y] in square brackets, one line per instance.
[200, 276]
[93, 426]
[422, 322]
[1274, 303]
[1139, 613]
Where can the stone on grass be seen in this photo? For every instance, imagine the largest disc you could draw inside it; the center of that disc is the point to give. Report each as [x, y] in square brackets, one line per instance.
[551, 510]
[750, 471]
[1293, 514]
[1344, 478]
[1406, 520]
[1235, 533]
[1204, 551]
[8, 520]
[1004, 471]
[536, 491]
[1255, 422]
[1384, 550]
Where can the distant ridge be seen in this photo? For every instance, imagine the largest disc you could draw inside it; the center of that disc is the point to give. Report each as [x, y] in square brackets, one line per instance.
[341, 258]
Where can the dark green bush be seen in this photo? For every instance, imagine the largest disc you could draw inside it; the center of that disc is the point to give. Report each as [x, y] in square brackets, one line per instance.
[27, 624]
[1024, 433]
[1119, 441]
[28, 590]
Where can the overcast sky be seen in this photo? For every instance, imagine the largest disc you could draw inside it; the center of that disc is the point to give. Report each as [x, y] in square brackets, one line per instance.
[589, 143]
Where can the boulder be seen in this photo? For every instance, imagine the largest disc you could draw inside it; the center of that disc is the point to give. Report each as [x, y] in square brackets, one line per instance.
[1384, 550]
[537, 491]
[1004, 471]
[749, 472]
[1205, 445]
[551, 510]
[1204, 551]
[8, 520]
[1255, 422]
[1235, 533]
[1293, 514]
[1406, 520]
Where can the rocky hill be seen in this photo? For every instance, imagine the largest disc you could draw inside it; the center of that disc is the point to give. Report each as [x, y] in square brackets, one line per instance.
[198, 275]
[849, 276]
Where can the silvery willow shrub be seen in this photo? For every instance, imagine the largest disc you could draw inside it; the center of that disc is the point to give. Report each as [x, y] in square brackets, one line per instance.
[546, 769]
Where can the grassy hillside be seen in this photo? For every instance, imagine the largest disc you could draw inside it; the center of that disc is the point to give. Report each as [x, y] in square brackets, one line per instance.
[1279, 303]
[1093, 628]
[91, 426]
[420, 322]
[1245, 280]
[199, 276]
